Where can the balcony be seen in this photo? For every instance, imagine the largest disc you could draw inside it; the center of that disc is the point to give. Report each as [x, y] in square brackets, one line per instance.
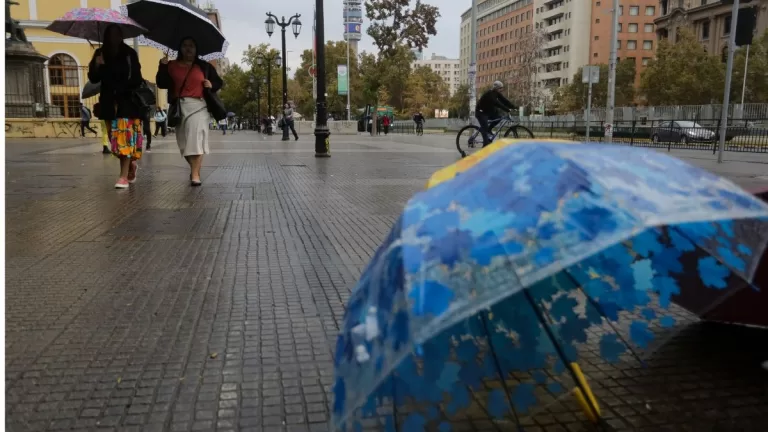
[552, 13]
[554, 27]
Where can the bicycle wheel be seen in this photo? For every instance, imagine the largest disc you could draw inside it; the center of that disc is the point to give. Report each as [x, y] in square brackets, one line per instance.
[519, 132]
[469, 140]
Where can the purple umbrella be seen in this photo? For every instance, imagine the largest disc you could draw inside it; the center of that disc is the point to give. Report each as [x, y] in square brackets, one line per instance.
[90, 23]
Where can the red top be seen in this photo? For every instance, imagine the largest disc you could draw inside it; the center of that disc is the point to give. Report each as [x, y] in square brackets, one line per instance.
[386, 121]
[194, 86]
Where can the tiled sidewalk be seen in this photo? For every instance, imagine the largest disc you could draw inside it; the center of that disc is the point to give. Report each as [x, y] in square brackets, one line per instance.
[171, 308]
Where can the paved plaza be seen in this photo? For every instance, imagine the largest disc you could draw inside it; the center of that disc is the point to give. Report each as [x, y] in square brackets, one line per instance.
[166, 307]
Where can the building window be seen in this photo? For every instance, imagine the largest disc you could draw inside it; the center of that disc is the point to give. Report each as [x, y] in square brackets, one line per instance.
[650, 10]
[633, 27]
[705, 30]
[646, 60]
[594, 55]
[68, 105]
[63, 71]
[631, 44]
[727, 27]
[648, 28]
[634, 10]
[597, 37]
[621, 10]
[621, 28]
[597, 21]
[647, 45]
[618, 44]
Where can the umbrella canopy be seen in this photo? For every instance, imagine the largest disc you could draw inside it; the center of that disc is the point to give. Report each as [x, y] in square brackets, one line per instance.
[170, 21]
[90, 23]
[485, 294]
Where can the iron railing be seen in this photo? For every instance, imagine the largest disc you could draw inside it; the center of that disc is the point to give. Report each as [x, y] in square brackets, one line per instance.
[50, 91]
[741, 135]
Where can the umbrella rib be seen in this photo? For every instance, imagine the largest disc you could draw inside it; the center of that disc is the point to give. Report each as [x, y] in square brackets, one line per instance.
[507, 393]
[561, 353]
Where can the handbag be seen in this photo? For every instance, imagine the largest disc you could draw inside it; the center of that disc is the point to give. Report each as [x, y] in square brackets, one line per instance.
[142, 96]
[174, 110]
[213, 101]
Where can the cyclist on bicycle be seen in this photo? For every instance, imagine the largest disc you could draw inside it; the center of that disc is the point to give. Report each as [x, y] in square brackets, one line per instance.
[418, 118]
[487, 109]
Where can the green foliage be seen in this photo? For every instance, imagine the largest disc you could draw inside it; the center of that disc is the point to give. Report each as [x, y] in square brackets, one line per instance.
[394, 23]
[573, 96]
[425, 91]
[301, 88]
[459, 103]
[683, 73]
[234, 94]
[757, 79]
[259, 72]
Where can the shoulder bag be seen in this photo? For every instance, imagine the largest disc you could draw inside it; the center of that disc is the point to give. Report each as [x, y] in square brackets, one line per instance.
[174, 110]
[213, 101]
[142, 96]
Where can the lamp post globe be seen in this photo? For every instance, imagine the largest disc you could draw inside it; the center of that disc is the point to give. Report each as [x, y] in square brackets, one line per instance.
[296, 27]
[270, 23]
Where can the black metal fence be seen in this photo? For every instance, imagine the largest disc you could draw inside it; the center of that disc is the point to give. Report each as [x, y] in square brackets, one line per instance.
[740, 136]
[48, 91]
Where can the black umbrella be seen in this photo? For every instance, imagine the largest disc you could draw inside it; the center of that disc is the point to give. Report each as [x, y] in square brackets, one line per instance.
[170, 21]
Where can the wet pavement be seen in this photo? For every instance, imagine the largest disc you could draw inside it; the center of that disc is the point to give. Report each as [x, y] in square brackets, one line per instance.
[171, 308]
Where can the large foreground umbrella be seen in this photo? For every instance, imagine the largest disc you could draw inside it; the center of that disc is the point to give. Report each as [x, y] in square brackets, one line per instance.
[90, 23]
[512, 268]
[170, 21]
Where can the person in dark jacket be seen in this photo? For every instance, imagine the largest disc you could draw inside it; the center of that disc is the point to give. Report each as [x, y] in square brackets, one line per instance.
[185, 78]
[487, 109]
[116, 66]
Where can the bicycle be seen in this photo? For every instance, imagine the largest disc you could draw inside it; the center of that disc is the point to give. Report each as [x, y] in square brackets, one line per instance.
[419, 128]
[474, 140]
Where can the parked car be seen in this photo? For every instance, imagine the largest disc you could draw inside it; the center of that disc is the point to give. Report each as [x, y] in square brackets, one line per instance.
[682, 132]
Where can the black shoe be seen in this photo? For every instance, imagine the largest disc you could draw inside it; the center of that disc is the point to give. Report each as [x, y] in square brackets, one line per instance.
[297, 138]
[105, 150]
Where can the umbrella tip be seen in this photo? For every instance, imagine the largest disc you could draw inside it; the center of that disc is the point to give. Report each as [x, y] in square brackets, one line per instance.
[765, 365]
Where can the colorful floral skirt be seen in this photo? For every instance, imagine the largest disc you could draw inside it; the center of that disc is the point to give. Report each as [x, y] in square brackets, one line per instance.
[126, 139]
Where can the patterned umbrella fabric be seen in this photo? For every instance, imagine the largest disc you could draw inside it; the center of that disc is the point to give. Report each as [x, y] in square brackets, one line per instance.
[170, 21]
[517, 265]
[90, 23]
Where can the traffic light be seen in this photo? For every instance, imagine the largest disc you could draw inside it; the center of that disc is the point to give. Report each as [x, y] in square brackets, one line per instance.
[745, 26]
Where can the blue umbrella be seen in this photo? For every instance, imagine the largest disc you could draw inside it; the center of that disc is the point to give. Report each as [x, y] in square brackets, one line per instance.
[491, 285]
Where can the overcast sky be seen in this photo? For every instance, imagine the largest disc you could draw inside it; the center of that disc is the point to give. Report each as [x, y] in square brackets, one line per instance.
[243, 24]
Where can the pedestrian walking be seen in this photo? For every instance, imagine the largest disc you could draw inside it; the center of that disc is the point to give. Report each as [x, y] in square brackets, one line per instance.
[386, 122]
[116, 66]
[288, 120]
[148, 129]
[161, 119]
[186, 78]
[223, 126]
[85, 120]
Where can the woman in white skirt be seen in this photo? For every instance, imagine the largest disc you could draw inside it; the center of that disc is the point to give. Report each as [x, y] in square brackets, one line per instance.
[185, 79]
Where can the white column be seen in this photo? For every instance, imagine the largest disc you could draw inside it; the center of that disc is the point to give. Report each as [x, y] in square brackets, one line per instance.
[33, 10]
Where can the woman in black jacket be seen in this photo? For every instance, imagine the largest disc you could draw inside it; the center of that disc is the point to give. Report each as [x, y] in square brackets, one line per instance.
[116, 66]
[185, 78]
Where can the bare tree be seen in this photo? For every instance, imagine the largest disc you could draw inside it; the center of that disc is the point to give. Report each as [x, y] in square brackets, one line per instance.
[521, 76]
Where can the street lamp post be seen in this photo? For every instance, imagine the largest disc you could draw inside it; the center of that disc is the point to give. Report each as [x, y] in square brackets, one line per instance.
[295, 25]
[322, 134]
[267, 61]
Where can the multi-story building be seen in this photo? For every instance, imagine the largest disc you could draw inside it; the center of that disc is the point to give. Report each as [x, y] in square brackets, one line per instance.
[636, 33]
[709, 20]
[559, 36]
[447, 68]
[503, 29]
[65, 71]
[565, 27]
